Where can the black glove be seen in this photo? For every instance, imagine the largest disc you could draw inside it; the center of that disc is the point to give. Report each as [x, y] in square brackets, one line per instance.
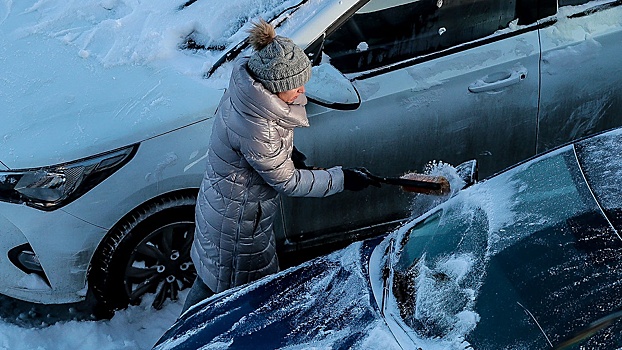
[299, 159]
[356, 179]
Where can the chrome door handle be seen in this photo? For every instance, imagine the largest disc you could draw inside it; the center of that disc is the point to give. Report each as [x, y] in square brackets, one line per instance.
[498, 80]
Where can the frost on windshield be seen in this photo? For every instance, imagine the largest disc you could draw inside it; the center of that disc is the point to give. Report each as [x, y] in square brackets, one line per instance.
[603, 173]
[444, 259]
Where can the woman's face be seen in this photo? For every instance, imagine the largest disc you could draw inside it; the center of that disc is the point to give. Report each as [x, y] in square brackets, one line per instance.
[290, 95]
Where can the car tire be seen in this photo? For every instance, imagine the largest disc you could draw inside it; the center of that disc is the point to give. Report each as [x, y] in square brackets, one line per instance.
[147, 252]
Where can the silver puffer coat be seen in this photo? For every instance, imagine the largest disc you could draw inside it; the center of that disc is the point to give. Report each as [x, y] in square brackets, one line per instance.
[249, 165]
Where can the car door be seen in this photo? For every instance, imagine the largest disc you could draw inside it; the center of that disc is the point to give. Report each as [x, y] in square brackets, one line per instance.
[581, 71]
[446, 80]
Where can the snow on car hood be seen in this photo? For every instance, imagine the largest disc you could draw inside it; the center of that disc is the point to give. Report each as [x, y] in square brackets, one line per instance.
[324, 303]
[84, 77]
[60, 107]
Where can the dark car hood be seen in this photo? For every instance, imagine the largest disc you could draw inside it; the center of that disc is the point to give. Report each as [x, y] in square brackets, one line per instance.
[326, 302]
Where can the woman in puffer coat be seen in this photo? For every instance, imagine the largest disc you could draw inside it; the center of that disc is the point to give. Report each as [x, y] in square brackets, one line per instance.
[250, 165]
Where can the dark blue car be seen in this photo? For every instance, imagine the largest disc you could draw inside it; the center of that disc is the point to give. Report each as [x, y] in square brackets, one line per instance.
[528, 259]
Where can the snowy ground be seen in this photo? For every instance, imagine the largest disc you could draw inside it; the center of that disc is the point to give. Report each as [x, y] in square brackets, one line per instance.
[24, 326]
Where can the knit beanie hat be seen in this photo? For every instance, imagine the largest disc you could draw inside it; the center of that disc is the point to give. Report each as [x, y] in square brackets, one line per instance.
[277, 62]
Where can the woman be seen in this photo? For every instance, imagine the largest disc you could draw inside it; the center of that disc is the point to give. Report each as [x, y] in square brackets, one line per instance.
[250, 164]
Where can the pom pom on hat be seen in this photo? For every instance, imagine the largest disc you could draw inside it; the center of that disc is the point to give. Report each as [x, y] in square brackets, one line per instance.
[261, 35]
[277, 62]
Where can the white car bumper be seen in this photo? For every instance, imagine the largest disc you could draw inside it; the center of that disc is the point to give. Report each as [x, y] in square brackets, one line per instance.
[63, 255]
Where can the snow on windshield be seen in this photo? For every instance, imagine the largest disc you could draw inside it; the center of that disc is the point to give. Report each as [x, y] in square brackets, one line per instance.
[421, 204]
[131, 32]
[443, 304]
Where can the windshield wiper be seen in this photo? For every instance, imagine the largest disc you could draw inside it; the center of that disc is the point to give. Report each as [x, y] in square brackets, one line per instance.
[237, 49]
[386, 272]
[186, 4]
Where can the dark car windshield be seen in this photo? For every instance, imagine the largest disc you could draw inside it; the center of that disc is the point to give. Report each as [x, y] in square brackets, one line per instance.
[600, 161]
[525, 260]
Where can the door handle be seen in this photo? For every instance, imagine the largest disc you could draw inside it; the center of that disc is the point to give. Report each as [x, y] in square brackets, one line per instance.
[499, 80]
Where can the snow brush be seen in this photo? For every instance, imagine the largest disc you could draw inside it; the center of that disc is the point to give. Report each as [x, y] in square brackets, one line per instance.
[430, 184]
[413, 182]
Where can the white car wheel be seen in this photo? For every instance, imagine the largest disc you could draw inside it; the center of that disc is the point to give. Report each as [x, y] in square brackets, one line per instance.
[147, 253]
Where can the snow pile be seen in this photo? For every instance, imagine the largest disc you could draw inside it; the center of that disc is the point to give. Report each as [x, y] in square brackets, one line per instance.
[138, 327]
[582, 30]
[584, 27]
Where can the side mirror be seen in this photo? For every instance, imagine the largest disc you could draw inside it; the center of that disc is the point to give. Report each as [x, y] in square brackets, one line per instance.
[329, 88]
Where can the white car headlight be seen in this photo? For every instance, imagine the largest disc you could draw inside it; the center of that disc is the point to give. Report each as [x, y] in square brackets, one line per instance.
[52, 187]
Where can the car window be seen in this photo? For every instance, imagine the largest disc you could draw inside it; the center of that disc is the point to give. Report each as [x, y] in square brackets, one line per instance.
[480, 264]
[380, 34]
[433, 284]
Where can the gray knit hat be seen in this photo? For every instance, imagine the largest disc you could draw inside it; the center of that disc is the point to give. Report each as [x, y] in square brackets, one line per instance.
[277, 62]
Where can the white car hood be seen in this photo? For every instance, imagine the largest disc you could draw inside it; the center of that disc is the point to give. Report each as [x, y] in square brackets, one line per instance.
[58, 106]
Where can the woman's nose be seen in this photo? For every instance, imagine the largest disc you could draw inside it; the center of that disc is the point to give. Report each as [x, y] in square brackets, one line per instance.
[301, 90]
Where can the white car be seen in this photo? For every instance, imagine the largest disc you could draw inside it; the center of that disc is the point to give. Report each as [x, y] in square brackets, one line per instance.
[102, 145]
